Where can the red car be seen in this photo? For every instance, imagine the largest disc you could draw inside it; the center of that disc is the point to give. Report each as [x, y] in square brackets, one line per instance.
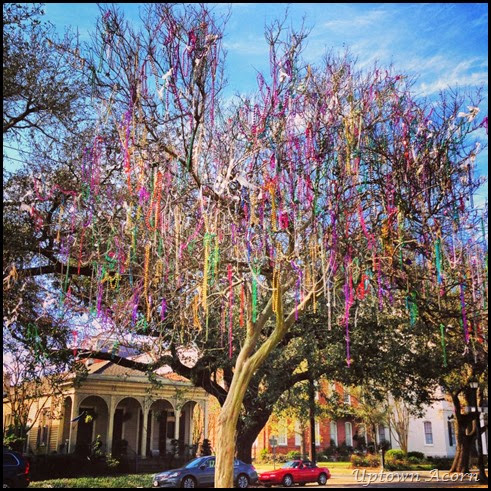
[295, 471]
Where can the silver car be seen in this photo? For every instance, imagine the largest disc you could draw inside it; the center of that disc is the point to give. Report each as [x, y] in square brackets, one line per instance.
[200, 473]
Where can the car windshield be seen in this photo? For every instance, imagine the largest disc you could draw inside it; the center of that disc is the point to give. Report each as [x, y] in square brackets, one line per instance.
[195, 463]
[293, 464]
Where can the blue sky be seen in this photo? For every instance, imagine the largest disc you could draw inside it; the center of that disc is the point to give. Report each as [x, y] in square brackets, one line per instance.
[445, 44]
[442, 44]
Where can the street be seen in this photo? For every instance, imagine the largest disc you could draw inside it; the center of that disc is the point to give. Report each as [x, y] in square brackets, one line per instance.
[362, 478]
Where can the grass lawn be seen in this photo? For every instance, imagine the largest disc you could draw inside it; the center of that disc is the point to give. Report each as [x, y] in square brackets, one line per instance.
[123, 481]
[145, 480]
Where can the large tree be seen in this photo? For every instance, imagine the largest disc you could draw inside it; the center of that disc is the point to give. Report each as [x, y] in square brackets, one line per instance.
[187, 221]
[43, 84]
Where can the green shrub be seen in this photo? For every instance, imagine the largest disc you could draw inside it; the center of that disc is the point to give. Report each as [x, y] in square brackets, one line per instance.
[330, 452]
[293, 455]
[280, 457]
[414, 460]
[396, 464]
[368, 460]
[396, 460]
[344, 452]
[111, 463]
[418, 455]
[442, 463]
[395, 454]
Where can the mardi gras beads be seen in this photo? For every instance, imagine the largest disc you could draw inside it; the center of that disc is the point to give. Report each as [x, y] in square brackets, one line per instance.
[231, 308]
[255, 272]
[242, 301]
[146, 274]
[438, 261]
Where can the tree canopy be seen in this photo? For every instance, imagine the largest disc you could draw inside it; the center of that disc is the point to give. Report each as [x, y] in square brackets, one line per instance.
[178, 219]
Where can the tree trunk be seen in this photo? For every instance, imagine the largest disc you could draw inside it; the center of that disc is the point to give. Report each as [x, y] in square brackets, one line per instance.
[466, 432]
[246, 435]
[247, 363]
[227, 420]
[463, 454]
[303, 444]
[225, 448]
[374, 431]
[244, 448]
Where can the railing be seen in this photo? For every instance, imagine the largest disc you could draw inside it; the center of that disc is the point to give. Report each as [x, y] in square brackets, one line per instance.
[132, 457]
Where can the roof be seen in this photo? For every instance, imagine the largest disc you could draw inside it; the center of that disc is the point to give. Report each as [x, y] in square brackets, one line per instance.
[112, 369]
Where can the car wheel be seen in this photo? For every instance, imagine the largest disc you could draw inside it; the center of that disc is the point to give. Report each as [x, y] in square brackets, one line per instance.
[288, 481]
[322, 479]
[242, 481]
[188, 482]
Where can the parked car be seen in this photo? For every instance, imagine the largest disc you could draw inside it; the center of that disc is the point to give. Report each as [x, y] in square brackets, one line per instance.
[15, 470]
[295, 471]
[200, 473]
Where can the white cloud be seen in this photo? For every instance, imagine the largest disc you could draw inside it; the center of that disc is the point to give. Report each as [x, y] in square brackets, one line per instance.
[456, 77]
[364, 20]
[249, 47]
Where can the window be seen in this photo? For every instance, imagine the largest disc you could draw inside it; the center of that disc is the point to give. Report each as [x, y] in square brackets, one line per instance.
[317, 434]
[451, 433]
[298, 433]
[349, 434]
[282, 434]
[381, 434]
[42, 436]
[346, 397]
[334, 432]
[428, 433]
[361, 431]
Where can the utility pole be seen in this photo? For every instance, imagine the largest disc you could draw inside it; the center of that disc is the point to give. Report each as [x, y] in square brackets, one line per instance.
[311, 390]
[482, 471]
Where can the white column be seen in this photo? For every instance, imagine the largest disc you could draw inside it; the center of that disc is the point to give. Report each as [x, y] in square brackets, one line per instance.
[72, 435]
[59, 439]
[146, 410]
[110, 425]
[484, 434]
[205, 419]
[178, 420]
[191, 423]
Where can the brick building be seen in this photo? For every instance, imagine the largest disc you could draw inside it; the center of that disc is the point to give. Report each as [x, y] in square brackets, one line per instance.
[289, 434]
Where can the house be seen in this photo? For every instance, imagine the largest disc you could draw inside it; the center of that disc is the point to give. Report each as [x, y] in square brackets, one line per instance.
[434, 432]
[120, 405]
[290, 436]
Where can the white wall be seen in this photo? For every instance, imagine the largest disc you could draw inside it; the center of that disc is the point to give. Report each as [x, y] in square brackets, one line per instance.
[438, 415]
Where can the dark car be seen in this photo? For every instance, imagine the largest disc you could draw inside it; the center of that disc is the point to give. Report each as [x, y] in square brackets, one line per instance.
[15, 470]
[200, 473]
